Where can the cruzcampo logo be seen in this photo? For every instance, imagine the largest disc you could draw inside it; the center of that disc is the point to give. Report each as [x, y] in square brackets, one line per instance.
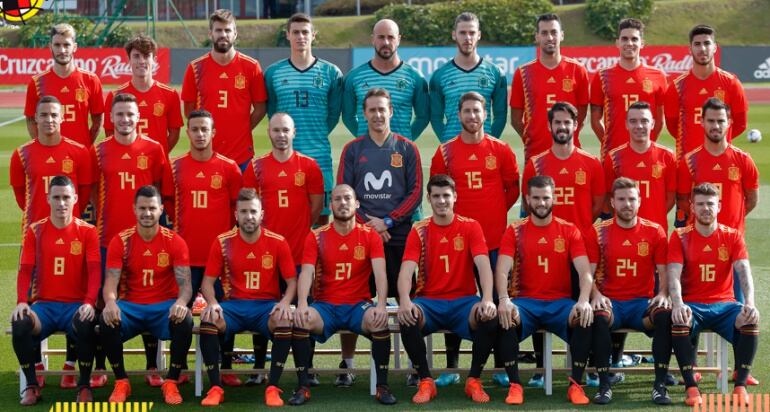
[19, 11]
[101, 407]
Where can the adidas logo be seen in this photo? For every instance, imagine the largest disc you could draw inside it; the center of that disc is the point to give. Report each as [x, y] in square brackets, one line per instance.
[630, 80]
[50, 160]
[125, 156]
[143, 104]
[444, 240]
[641, 164]
[223, 76]
[542, 241]
[716, 167]
[251, 256]
[563, 171]
[626, 243]
[282, 174]
[763, 71]
[344, 247]
[59, 241]
[703, 91]
[707, 248]
[473, 157]
[200, 175]
[551, 80]
[147, 253]
[65, 89]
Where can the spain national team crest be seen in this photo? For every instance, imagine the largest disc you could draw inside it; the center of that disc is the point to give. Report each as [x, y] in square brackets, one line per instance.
[580, 177]
[724, 255]
[67, 165]
[359, 252]
[719, 94]
[158, 109]
[459, 243]
[163, 259]
[318, 82]
[216, 182]
[396, 160]
[299, 179]
[267, 262]
[657, 170]
[567, 85]
[19, 12]
[647, 85]
[76, 247]
[142, 162]
[81, 95]
[490, 162]
[483, 82]
[643, 249]
[559, 245]
[240, 81]
[402, 84]
[733, 173]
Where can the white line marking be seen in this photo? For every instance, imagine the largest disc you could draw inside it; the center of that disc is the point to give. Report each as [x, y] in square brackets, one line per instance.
[5, 123]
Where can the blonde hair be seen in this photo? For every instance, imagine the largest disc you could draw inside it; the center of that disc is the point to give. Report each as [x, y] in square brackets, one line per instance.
[63, 29]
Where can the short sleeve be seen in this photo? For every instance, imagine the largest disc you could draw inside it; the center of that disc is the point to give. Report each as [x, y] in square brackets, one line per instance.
[750, 174]
[258, 89]
[249, 177]
[582, 81]
[96, 102]
[597, 183]
[593, 250]
[597, 92]
[674, 253]
[181, 252]
[661, 246]
[28, 248]
[517, 91]
[478, 244]
[115, 253]
[315, 182]
[683, 178]
[85, 171]
[16, 168]
[215, 261]
[376, 248]
[310, 251]
[235, 180]
[670, 172]
[108, 126]
[739, 247]
[285, 261]
[437, 163]
[413, 247]
[609, 173]
[30, 102]
[508, 242]
[577, 246]
[189, 86]
[175, 120]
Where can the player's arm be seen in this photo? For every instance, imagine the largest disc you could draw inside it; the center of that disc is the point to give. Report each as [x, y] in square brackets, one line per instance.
[742, 268]
[111, 312]
[32, 127]
[516, 103]
[421, 106]
[597, 115]
[499, 106]
[207, 289]
[586, 282]
[184, 282]
[436, 107]
[30, 107]
[349, 108]
[486, 279]
[316, 206]
[597, 203]
[96, 126]
[517, 121]
[657, 117]
[380, 280]
[306, 277]
[272, 97]
[258, 110]
[751, 199]
[506, 310]
[173, 138]
[740, 110]
[671, 111]
[680, 312]
[510, 174]
[407, 312]
[188, 107]
[334, 100]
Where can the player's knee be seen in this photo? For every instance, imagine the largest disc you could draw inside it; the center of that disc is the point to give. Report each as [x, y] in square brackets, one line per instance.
[185, 326]
[487, 326]
[660, 317]
[680, 330]
[22, 326]
[749, 330]
[84, 329]
[408, 330]
[602, 315]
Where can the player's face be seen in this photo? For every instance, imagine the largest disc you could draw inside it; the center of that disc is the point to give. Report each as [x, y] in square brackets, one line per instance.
[62, 200]
[281, 132]
[639, 123]
[300, 36]
[467, 35]
[378, 113]
[703, 47]
[385, 39]
[716, 123]
[125, 115]
[472, 116]
[549, 36]
[141, 65]
[562, 127]
[200, 130]
[222, 36]
[63, 49]
[344, 204]
[442, 200]
[48, 118]
[705, 209]
[626, 204]
[249, 215]
[540, 201]
[148, 211]
[629, 42]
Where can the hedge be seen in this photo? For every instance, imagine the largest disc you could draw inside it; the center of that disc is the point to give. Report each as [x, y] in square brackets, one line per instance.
[348, 7]
[35, 32]
[603, 16]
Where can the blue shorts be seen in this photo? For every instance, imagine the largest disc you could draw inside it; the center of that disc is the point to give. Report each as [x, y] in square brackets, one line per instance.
[719, 317]
[551, 315]
[447, 314]
[630, 314]
[137, 318]
[340, 317]
[251, 315]
[55, 316]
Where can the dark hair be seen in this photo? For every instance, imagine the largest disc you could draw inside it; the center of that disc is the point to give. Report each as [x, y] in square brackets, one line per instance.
[640, 105]
[471, 96]
[441, 181]
[123, 98]
[248, 193]
[631, 23]
[623, 183]
[378, 92]
[705, 189]
[540, 182]
[466, 17]
[147, 191]
[47, 99]
[703, 29]
[562, 107]
[297, 18]
[200, 113]
[714, 103]
[62, 29]
[221, 16]
[60, 180]
[546, 17]
[143, 43]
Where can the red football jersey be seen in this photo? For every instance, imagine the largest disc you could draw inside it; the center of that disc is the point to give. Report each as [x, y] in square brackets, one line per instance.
[343, 264]
[542, 258]
[444, 257]
[487, 177]
[61, 258]
[685, 98]
[615, 89]
[707, 275]
[733, 172]
[80, 94]
[285, 189]
[655, 173]
[578, 179]
[159, 111]
[626, 259]
[120, 170]
[228, 93]
[536, 88]
[33, 165]
[250, 270]
[202, 192]
[147, 268]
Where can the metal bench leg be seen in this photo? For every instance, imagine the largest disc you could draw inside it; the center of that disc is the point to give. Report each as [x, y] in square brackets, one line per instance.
[710, 348]
[160, 357]
[397, 350]
[548, 363]
[44, 350]
[724, 347]
[372, 377]
[198, 367]
[429, 350]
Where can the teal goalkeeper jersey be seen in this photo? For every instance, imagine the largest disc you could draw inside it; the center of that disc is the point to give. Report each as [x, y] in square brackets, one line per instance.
[449, 82]
[408, 91]
[313, 98]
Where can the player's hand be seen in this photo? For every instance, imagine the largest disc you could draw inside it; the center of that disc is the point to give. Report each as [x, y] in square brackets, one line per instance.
[408, 313]
[283, 309]
[380, 313]
[601, 302]
[177, 312]
[507, 313]
[584, 313]
[680, 314]
[376, 223]
[660, 301]
[750, 314]
[486, 310]
[111, 314]
[212, 313]
[385, 236]
[86, 312]
[302, 316]
[20, 311]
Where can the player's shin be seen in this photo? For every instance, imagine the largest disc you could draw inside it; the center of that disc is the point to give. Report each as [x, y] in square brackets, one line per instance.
[579, 347]
[226, 346]
[71, 355]
[150, 351]
[300, 346]
[508, 342]
[210, 351]
[680, 340]
[84, 340]
[415, 348]
[601, 345]
[661, 343]
[745, 350]
[483, 340]
[24, 346]
[281, 345]
[259, 343]
[112, 343]
[181, 339]
[381, 354]
[452, 343]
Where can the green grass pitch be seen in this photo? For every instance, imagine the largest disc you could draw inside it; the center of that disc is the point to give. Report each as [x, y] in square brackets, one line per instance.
[634, 394]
